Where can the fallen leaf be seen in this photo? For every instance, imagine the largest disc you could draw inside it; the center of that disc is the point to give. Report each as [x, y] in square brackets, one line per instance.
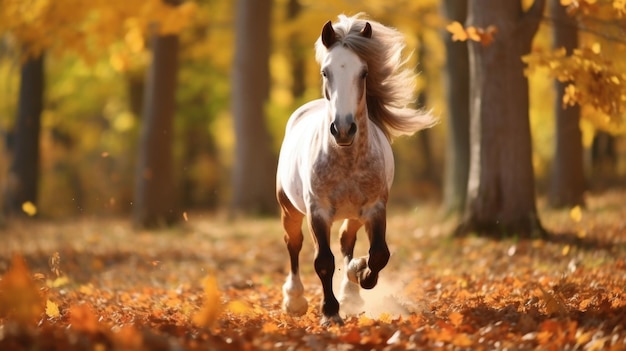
[52, 309]
[29, 208]
[20, 297]
[456, 318]
[83, 318]
[211, 306]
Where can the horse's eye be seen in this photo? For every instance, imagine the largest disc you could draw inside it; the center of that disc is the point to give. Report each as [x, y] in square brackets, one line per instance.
[324, 74]
[363, 74]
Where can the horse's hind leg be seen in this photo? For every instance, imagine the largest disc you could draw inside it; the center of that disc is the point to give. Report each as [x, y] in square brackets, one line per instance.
[349, 298]
[293, 290]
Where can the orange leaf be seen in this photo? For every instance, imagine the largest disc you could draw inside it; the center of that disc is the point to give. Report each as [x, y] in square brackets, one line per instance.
[212, 307]
[462, 340]
[83, 318]
[20, 298]
[456, 318]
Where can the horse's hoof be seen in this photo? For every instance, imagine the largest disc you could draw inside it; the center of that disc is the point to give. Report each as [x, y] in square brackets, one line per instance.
[369, 282]
[352, 306]
[350, 300]
[295, 306]
[328, 321]
[355, 268]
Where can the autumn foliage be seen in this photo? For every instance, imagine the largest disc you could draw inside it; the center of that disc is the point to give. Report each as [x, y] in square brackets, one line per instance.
[94, 284]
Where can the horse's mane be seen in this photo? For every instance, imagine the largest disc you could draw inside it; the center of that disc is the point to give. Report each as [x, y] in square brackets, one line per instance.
[390, 85]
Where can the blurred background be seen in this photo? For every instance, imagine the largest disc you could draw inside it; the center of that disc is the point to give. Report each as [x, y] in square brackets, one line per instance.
[102, 65]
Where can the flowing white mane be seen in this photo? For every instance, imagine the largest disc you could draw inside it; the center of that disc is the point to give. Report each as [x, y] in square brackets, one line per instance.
[390, 85]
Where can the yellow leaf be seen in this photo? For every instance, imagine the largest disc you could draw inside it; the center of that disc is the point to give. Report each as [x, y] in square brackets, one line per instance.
[52, 309]
[565, 250]
[458, 33]
[576, 214]
[29, 208]
[473, 33]
[596, 48]
[211, 307]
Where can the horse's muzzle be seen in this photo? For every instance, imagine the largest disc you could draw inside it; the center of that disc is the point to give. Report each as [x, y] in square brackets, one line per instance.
[344, 132]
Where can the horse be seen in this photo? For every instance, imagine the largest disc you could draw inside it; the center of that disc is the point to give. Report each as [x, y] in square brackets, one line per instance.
[336, 161]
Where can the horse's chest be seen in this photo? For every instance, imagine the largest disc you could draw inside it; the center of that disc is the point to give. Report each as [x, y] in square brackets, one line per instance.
[349, 187]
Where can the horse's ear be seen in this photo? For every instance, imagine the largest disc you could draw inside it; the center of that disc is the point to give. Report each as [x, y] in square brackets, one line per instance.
[329, 38]
[367, 30]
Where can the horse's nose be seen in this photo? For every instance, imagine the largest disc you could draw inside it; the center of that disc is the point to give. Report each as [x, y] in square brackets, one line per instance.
[343, 133]
[352, 130]
[336, 133]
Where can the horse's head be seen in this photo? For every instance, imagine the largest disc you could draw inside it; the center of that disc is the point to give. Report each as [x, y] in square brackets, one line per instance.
[344, 74]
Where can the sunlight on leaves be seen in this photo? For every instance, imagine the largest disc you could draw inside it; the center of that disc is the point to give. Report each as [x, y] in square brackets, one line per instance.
[239, 308]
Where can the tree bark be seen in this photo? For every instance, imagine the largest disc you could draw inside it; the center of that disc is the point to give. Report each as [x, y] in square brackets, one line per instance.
[457, 101]
[501, 188]
[156, 202]
[255, 162]
[567, 182]
[23, 175]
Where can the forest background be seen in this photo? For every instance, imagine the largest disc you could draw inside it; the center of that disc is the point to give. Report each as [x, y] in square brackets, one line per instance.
[166, 111]
[98, 62]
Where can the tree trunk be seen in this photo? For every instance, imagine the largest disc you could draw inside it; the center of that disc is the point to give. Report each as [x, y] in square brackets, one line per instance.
[23, 176]
[156, 201]
[501, 187]
[568, 181]
[457, 99]
[255, 163]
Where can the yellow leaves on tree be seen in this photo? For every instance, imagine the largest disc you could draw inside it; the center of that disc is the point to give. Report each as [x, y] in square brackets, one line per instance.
[593, 79]
[485, 36]
[86, 28]
[21, 299]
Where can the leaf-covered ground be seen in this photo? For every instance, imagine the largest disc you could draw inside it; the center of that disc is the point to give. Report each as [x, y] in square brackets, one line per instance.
[215, 283]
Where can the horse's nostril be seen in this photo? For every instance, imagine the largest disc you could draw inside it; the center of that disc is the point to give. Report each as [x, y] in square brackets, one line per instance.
[333, 129]
[352, 130]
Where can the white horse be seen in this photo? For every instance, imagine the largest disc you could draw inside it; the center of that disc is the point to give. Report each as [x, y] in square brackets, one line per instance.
[336, 161]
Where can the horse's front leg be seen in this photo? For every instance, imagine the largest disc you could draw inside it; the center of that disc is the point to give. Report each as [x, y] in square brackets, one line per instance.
[349, 297]
[319, 225]
[366, 274]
